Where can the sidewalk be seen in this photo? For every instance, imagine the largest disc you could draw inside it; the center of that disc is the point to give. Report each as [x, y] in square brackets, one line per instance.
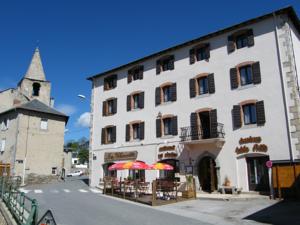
[230, 197]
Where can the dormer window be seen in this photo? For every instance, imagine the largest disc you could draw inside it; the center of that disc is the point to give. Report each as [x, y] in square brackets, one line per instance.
[164, 64]
[36, 89]
[199, 53]
[240, 39]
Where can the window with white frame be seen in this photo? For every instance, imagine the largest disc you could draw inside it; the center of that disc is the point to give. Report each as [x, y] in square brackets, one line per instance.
[2, 146]
[44, 124]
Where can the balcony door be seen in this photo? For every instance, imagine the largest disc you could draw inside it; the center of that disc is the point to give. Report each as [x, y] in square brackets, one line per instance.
[204, 118]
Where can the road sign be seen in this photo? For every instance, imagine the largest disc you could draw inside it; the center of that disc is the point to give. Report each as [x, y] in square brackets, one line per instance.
[269, 164]
[47, 219]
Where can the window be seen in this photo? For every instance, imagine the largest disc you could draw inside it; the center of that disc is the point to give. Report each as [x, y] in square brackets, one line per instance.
[108, 135]
[110, 107]
[249, 112]
[201, 54]
[241, 41]
[2, 147]
[167, 126]
[203, 85]
[166, 94]
[36, 89]
[136, 131]
[54, 170]
[44, 124]
[136, 101]
[246, 75]
[110, 82]
[164, 64]
[135, 73]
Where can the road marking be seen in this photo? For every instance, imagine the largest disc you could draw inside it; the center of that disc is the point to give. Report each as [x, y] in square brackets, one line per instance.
[82, 190]
[67, 190]
[24, 190]
[95, 190]
[38, 191]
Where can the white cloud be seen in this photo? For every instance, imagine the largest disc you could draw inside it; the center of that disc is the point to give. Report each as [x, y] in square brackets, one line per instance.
[66, 109]
[84, 120]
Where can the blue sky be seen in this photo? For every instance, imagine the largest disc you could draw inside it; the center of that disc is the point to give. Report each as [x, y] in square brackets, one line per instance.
[82, 38]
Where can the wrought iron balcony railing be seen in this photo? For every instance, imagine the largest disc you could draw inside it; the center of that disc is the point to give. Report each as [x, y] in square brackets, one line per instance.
[199, 133]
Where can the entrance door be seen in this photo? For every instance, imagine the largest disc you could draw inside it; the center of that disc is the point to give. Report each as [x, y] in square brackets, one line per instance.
[205, 124]
[207, 174]
[258, 173]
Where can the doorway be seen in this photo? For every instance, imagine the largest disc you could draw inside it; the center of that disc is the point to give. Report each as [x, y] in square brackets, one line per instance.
[207, 174]
[258, 177]
[205, 124]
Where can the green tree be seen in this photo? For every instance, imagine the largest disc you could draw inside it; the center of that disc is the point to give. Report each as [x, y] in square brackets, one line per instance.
[83, 156]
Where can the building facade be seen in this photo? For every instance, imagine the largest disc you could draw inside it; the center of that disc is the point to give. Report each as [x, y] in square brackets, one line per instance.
[32, 131]
[217, 107]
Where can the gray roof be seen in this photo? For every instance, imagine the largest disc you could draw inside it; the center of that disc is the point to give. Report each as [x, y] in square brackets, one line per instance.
[37, 106]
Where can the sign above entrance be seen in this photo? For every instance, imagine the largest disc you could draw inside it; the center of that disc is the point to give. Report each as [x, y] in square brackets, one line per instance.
[120, 156]
[250, 140]
[167, 148]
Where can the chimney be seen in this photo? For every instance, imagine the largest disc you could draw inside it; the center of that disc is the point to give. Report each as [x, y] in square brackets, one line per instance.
[52, 102]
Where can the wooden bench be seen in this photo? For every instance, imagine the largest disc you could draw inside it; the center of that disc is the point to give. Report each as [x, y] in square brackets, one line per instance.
[233, 189]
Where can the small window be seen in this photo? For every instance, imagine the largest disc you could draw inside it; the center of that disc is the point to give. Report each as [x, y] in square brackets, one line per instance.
[2, 147]
[110, 107]
[36, 89]
[136, 74]
[201, 54]
[249, 112]
[136, 131]
[242, 41]
[167, 94]
[54, 169]
[44, 124]
[246, 75]
[136, 101]
[109, 135]
[110, 82]
[203, 85]
[167, 122]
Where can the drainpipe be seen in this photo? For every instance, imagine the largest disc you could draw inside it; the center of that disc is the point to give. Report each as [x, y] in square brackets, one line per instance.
[13, 170]
[26, 148]
[283, 90]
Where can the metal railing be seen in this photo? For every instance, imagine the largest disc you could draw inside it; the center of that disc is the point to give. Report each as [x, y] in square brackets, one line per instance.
[23, 208]
[198, 133]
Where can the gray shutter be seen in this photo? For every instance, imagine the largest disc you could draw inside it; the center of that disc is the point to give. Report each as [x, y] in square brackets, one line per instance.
[171, 62]
[115, 79]
[256, 73]
[114, 134]
[158, 67]
[142, 130]
[250, 38]
[127, 130]
[192, 88]
[211, 83]
[103, 136]
[192, 56]
[129, 76]
[236, 116]
[104, 108]
[233, 78]
[194, 126]
[115, 104]
[128, 102]
[141, 100]
[230, 45]
[207, 51]
[157, 96]
[173, 92]
[158, 127]
[213, 123]
[260, 113]
[174, 125]
[141, 72]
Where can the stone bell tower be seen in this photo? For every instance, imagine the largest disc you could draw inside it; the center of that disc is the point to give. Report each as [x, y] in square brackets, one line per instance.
[34, 84]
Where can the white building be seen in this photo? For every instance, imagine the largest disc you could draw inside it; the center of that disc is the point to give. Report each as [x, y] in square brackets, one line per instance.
[218, 107]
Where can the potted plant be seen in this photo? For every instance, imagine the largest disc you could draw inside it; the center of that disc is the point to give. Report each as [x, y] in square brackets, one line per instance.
[189, 192]
[227, 182]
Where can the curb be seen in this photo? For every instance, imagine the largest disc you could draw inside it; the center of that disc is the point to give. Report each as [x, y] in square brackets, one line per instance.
[6, 214]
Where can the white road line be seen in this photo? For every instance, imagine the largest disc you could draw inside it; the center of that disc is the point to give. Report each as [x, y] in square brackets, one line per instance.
[82, 190]
[67, 190]
[24, 190]
[95, 190]
[38, 191]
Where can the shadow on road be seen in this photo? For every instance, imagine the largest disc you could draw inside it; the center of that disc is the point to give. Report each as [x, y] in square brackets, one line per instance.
[282, 213]
[85, 180]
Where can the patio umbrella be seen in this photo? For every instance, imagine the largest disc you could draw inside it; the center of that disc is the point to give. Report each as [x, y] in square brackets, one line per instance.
[116, 166]
[161, 166]
[135, 165]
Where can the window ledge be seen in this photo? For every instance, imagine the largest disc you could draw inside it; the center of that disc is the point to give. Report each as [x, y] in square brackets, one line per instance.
[135, 141]
[167, 136]
[134, 110]
[249, 126]
[246, 86]
[166, 103]
[202, 96]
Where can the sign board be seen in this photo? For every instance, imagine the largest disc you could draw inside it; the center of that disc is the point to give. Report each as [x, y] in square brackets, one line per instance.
[47, 219]
[269, 164]
[120, 156]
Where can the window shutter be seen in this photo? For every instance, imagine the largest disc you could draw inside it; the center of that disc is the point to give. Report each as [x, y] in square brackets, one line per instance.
[250, 38]
[115, 79]
[142, 130]
[230, 45]
[158, 67]
[207, 51]
[173, 92]
[192, 88]
[141, 100]
[260, 113]
[105, 84]
[194, 126]
[128, 103]
[103, 136]
[115, 103]
[213, 123]
[114, 134]
[192, 56]
[236, 114]
[233, 78]
[127, 136]
[104, 108]
[158, 127]
[157, 96]
[174, 125]
[256, 73]
[129, 76]
[211, 83]
[171, 62]
[141, 72]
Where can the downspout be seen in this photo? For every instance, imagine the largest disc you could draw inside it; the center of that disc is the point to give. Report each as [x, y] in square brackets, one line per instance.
[13, 170]
[283, 91]
[26, 148]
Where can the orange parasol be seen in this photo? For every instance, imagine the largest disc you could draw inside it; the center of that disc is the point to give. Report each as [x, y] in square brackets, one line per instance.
[161, 166]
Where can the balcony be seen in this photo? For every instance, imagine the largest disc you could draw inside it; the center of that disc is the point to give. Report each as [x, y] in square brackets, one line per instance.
[194, 133]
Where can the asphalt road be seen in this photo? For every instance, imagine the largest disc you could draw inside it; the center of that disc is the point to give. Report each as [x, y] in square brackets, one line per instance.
[74, 203]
